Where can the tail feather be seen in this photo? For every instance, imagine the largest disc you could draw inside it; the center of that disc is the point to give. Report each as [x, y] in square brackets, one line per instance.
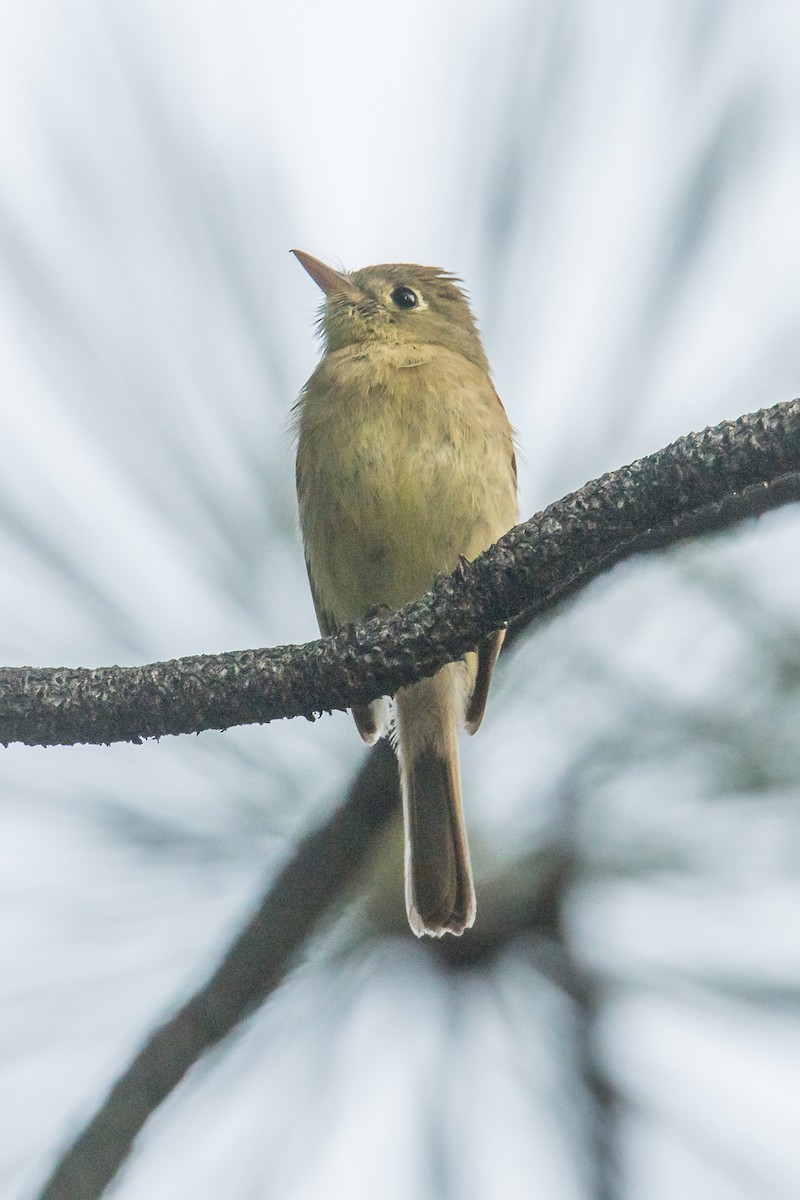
[440, 896]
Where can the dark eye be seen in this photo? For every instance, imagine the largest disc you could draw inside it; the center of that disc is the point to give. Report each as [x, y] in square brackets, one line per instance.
[404, 297]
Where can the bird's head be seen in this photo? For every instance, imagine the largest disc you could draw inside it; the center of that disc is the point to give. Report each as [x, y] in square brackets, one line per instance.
[395, 303]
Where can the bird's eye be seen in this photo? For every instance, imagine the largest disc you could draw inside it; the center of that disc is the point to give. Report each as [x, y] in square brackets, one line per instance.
[405, 297]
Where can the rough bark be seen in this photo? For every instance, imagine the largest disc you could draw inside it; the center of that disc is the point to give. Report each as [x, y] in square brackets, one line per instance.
[700, 483]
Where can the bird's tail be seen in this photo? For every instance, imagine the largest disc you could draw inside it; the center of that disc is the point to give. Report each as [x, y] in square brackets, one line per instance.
[440, 896]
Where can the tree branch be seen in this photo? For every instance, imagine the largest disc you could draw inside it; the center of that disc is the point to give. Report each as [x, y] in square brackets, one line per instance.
[700, 483]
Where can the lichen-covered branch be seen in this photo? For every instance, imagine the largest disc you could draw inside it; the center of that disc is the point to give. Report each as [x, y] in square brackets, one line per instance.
[700, 483]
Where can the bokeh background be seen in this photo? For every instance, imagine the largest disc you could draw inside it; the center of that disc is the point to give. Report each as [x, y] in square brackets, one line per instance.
[619, 185]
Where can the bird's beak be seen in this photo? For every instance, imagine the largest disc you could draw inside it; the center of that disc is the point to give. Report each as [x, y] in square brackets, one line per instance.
[333, 283]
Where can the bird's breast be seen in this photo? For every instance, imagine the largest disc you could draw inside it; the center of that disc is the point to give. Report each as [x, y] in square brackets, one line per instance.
[404, 463]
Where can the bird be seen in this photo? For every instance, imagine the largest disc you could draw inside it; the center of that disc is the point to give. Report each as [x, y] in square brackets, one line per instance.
[405, 466]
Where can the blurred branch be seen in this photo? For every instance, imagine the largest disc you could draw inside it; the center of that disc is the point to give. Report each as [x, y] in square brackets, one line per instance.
[701, 483]
[260, 957]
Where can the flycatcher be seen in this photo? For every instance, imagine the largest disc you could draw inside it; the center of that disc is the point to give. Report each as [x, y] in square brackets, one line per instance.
[405, 462]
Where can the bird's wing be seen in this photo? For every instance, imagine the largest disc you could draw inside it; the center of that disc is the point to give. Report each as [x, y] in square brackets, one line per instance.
[326, 623]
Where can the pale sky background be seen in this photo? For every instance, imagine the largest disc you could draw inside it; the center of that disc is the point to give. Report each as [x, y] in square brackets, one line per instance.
[618, 185]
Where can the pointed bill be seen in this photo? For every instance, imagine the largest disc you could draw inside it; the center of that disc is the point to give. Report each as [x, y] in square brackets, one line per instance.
[333, 283]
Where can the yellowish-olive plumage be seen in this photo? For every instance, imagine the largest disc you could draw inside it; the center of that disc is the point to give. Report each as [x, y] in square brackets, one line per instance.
[405, 462]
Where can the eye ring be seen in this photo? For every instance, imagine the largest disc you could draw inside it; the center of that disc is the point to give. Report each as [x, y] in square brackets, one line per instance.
[405, 297]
